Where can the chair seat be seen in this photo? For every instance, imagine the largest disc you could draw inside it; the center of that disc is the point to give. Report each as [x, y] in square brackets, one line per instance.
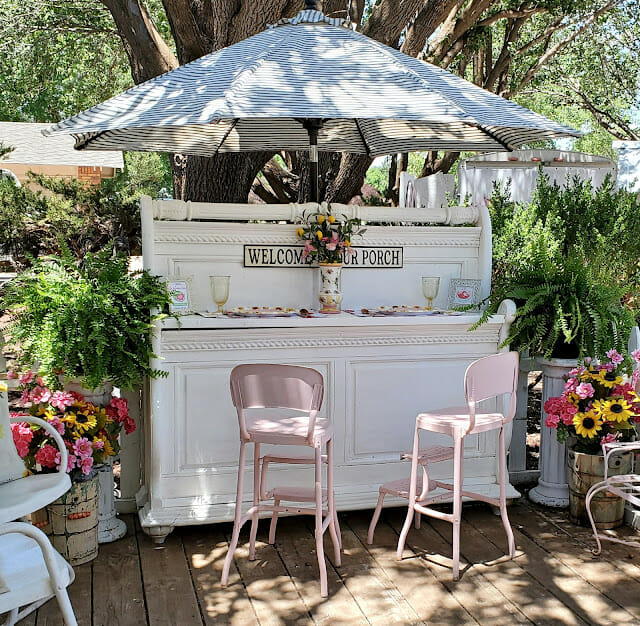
[26, 495]
[23, 571]
[456, 419]
[288, 430]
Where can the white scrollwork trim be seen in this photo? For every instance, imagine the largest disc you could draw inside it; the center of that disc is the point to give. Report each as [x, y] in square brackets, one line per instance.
[177, 345]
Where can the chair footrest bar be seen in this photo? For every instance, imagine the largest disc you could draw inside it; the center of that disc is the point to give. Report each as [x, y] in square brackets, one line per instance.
[425, 510]
[292, 459]
[295, 494]
[430, 454]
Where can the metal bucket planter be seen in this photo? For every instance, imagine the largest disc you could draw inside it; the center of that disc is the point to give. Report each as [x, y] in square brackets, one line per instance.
[74, 522]
[585, 470]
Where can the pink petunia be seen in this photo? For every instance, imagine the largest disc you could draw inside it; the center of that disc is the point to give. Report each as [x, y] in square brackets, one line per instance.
[25, 398]
[61, 399]
[22, 436]
[83, 448]
[86, 464]
[26, 377]
[585, 390]
[46, 456]
[615, 357]
[71, 461]
[552, 421]
[57, 424]
[40, 395]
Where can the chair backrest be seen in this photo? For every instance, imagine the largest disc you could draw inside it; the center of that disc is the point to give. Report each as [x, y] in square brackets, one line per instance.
[272, 386]
[11, 465]
[489, 377]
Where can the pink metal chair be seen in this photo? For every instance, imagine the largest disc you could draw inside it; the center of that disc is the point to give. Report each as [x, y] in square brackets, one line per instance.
[292, 389]
[488, 377]
[625, 486]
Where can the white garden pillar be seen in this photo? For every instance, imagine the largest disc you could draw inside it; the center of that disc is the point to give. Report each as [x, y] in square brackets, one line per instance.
[552, 488]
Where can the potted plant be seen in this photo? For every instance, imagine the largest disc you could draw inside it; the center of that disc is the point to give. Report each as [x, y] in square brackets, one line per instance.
[599, 405]
[90, 320]
[327, 240]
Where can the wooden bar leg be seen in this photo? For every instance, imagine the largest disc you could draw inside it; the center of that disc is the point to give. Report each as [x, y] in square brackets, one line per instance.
[458, 477]
[376, 517]
[236, 522]
[502, 458]
[274, 521]
[331, 506]
[256, 501]
[324, 591]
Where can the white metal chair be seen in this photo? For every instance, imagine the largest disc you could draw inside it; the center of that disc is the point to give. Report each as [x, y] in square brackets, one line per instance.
[488, 377]
[625, 486]
[285, 388]
[31, 571]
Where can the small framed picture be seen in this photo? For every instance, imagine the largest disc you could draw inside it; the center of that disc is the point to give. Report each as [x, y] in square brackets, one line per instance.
[464, 291]
[179, 288]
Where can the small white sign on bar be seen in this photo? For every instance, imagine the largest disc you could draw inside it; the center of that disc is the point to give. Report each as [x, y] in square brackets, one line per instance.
[260, 255]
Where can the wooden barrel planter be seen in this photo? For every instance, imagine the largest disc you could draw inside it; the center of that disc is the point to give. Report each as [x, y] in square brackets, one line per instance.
[74, 522]
[585, 470]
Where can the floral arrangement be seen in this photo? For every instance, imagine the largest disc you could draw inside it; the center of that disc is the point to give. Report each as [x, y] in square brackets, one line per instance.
[599, 404]
[327, 238]
[89, 431]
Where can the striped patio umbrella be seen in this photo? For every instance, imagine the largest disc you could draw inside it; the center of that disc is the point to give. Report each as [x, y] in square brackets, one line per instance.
[309, 82]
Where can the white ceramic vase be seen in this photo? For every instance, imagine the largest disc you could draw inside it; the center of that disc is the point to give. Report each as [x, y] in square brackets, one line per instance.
[330, 295]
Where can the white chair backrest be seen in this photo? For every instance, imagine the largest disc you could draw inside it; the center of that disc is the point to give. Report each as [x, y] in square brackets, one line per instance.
[11, 465]
[272, 386]
[489, 377]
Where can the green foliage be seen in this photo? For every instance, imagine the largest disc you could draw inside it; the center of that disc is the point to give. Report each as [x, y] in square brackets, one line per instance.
[91, 320]
[378, 177]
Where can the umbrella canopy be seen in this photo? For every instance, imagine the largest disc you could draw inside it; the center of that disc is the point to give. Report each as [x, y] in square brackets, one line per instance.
[256, 95]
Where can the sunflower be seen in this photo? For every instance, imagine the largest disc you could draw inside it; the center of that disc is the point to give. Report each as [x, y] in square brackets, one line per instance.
[587, 424]
[608, 379]
[85, 421]
[108, 448]
[615, 410]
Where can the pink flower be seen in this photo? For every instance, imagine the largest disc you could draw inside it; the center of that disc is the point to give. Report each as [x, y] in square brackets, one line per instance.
[635, 355]
[129, 425]
[86, 464]
[40, 381]
[24, 398]
[61, 399]
[117, 409]
[46, 456]
[26, 378]
[308, 248]
[98, 444]
[588, 360]
[22, 436]
[585, 390]
[83, 448]
[571, 385]
[615, 357]
[610, 438]
[40, 395]
[333, 244]
[552, 421]
[71, 461]
[57, 424]
[12, 375]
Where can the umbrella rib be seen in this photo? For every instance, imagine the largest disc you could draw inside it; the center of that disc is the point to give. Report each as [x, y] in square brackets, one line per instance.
[227, 133]
[364, 141]
[493, 136]
[81, 145]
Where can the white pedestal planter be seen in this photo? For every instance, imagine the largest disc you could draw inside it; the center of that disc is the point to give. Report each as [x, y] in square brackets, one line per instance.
[552, 488]
[110, 527]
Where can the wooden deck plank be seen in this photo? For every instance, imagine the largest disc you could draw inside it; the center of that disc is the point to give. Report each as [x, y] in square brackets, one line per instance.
[474, 591]
[169, 594]
[117, 576]
[569, 583]
[296, 546]
[206, 548]
[376, 594]
[430, 599]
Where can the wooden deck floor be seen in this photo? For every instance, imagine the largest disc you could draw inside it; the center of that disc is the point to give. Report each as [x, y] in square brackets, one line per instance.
[554, 578]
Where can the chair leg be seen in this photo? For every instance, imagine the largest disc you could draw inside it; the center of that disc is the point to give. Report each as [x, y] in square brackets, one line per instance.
[336, 523]
[458, 478]
[416, 519]
[274, 521]
[331, 506]
[238, 515]
[375, 518]
[502, 457]
[324, 591]
[412, 495]
[256, 501]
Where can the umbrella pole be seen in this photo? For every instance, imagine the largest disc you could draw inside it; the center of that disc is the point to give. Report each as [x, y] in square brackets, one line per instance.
[312, 127]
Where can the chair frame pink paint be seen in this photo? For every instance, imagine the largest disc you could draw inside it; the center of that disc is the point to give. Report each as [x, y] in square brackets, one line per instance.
[625, 486]
[489, 377]
[300, 389]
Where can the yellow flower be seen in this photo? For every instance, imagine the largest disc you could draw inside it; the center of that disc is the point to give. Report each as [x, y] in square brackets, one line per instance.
[300, 232]
[587, 424]
[608, 379]
[85, 421]
[320, 219]
[319, 234]
[331, 219]
[347, 242]
[616, 410]
[3, 387]
[108, 448]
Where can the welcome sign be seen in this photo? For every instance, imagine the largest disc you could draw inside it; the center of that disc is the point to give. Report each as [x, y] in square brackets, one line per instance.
[257, 255]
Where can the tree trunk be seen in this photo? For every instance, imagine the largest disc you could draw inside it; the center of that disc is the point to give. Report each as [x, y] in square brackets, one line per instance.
[349, 179]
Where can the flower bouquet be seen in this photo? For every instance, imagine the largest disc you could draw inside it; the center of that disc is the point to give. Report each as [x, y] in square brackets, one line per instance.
[599, 404]
[327, 238]
[89, 431]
